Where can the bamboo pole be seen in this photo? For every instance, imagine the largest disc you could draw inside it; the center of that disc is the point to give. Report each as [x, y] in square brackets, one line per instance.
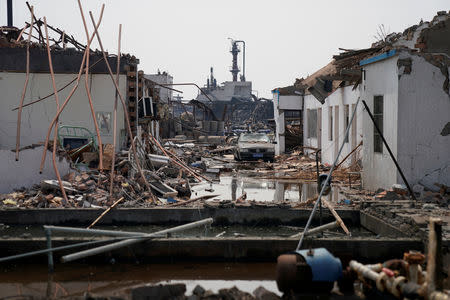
[55, 136]
[336, 216]
[105, 212]
[205, 197]
[68, 97]
[127, 118]
[19, 113]
[25, 27]
[88, 92]
[113, 162]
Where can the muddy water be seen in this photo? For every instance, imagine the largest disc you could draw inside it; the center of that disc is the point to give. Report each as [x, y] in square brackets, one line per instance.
[231, 187]
[76, 279]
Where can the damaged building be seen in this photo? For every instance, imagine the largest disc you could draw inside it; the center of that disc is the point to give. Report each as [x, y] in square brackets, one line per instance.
[404, 80]
[75, 124]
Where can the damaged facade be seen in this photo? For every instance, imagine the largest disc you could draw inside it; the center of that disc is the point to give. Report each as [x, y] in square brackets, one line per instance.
[405, 82]
[75, 124]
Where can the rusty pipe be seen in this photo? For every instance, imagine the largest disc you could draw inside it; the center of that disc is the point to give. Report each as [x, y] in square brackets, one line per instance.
[188, 83]
[88, 92]
[127, 118]
[55, 136]
[115, 116]
[27, 76]
[68, 97]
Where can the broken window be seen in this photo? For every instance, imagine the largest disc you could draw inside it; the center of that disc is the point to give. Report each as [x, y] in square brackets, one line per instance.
[312, 123]
[346, 120]
[378, 117]
[104, 122]
[330, 123]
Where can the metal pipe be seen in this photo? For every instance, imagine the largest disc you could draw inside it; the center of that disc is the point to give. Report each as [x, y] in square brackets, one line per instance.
[44, 251]
[365, 271]
[113, 161]
[55, 136]
[127, 118]
[19, 113]
[129, 242]
[10, 13]
[92, 231]
[389, 150]
[48, 236]
[318, 229]
[188, 83]
[88, 92]
[163, 86]
[44, 152]
[328, 177]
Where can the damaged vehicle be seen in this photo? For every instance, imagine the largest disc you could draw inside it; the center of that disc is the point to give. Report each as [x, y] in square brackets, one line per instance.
[254, 146]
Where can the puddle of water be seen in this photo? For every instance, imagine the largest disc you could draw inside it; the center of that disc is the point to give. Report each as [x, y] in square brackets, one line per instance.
[75, 280]
[232, 187]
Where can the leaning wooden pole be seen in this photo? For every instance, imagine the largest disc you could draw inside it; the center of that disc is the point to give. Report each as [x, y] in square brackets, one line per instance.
[27, 76]
[55, 136]
[88, 92]
[68, 97]
[127, 118]
[113, 162]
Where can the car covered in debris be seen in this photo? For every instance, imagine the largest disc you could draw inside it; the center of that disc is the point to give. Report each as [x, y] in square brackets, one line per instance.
[254, 146]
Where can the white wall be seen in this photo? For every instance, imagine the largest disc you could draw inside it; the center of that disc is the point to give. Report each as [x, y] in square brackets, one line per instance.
[341, 97]
[381, 78]
[424, 109]
[25, 172]
[290, 102]
[36, 118]
[278, 116]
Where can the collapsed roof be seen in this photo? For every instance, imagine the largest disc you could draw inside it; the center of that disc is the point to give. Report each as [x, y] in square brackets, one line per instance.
[430, 39]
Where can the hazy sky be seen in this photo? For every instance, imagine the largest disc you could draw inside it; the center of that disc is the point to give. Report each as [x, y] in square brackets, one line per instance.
[285, 39]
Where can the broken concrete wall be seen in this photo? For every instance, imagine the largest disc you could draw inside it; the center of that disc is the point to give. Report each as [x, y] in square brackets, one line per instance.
[423, 113]
[37, 117]
[430, 37]
[380, 79]
[25, 172]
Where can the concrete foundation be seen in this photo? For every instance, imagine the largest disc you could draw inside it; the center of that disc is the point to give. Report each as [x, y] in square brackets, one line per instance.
[172, 216]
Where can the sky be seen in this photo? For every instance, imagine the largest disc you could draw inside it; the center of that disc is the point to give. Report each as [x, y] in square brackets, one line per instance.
[285, 39]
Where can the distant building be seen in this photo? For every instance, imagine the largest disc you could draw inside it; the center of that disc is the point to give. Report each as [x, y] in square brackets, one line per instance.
[165, 95]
